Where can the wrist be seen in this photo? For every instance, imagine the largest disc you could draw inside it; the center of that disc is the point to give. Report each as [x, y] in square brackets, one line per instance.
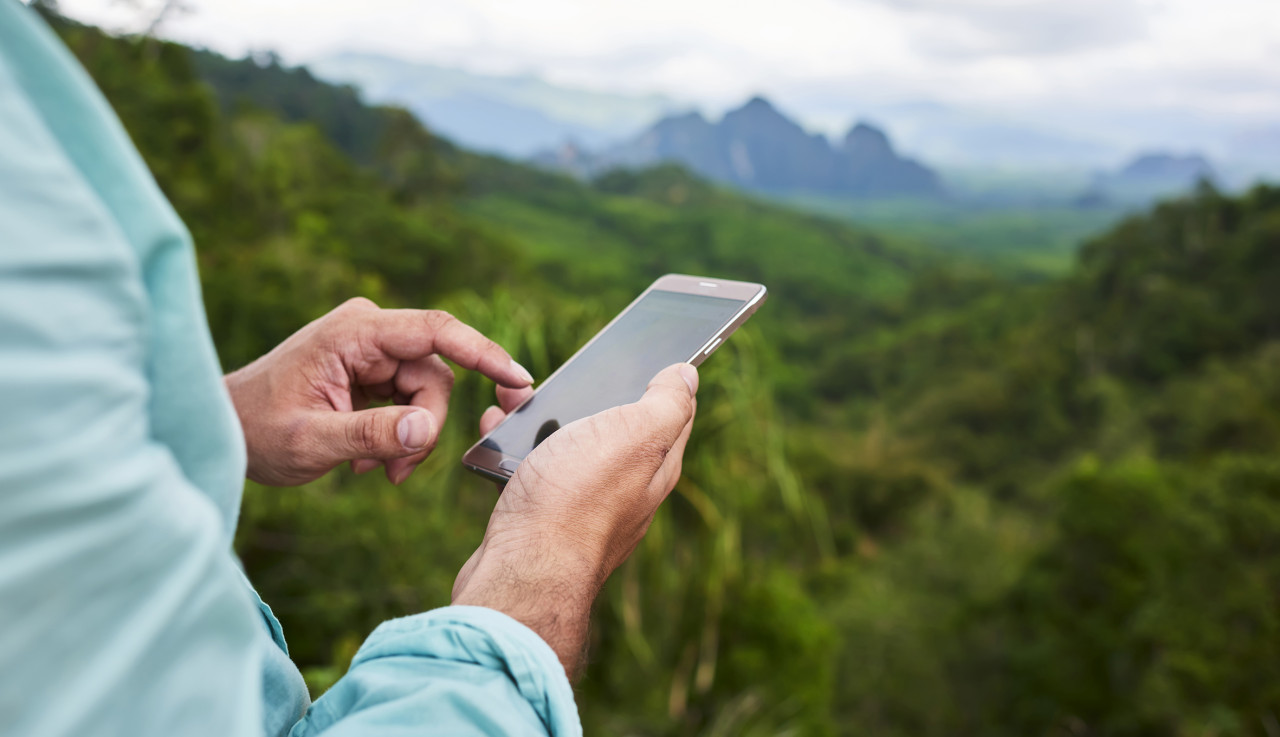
[241, 390]
[548, 589]
[235, 384]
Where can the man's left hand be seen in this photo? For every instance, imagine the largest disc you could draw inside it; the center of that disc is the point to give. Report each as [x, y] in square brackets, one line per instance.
[304, 405]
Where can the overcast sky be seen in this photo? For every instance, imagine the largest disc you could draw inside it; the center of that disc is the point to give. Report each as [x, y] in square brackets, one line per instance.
[824, 59]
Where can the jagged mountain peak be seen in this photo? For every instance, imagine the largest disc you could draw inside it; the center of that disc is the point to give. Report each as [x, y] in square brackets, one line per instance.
[757, 112]
[759, 103]
[757, 146]
[866, 141]
[864, 132]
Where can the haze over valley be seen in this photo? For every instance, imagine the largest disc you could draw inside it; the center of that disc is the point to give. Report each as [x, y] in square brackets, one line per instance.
[923, 149]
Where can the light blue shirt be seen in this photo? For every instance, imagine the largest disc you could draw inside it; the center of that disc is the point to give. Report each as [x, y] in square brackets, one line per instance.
[123, 610]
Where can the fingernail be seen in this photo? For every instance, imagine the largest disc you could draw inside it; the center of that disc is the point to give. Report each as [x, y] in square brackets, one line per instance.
[521, 371]
[690, 376]
[415, 430]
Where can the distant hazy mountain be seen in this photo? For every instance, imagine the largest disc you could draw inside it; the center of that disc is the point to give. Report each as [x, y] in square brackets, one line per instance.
[757, 147]
[1056, 138]
[515, 116]
[1153, 175]
[956, 137]
[867, 165]
[1183, 171]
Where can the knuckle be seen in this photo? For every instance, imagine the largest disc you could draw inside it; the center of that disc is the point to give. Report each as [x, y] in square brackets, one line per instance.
[671, 410]
[349, 320]
[363, 433]
[438, 319]
[447, 377]
[683, 402]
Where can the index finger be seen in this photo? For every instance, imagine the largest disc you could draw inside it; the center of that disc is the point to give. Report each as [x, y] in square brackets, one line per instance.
[509, 399]
[408, 335]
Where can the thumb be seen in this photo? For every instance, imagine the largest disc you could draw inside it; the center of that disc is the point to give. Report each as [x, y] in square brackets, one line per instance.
[669, 398]
[382, 432]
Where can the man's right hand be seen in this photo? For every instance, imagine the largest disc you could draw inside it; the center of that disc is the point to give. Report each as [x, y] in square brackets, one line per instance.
[576, 509]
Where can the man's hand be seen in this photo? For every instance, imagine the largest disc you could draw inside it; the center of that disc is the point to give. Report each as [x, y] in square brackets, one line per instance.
[576, 508]
[303, 406]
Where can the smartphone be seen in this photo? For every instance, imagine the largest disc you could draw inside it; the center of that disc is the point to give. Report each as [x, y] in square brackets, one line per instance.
[677, 319]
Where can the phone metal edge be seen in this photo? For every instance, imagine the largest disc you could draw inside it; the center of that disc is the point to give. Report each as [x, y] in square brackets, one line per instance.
[740, 319]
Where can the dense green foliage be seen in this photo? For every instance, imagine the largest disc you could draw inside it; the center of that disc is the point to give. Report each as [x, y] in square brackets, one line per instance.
[921, 498]
[1033, 238]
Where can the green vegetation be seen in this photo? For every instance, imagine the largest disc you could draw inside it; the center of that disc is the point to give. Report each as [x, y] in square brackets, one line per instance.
[923, 497]
[1030, 240]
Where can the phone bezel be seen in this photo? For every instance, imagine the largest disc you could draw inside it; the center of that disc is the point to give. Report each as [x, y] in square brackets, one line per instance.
[486, 461]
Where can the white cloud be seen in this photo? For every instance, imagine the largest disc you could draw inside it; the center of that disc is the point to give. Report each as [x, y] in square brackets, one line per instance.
[819, 57]
[973, 28]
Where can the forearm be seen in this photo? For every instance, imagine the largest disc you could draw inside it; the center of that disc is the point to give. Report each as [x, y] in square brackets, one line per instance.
[545, 589]
[576, 509]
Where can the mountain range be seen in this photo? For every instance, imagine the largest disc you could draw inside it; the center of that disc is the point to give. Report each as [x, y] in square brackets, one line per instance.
[756, 147]
[519, 116]
[1151, 176]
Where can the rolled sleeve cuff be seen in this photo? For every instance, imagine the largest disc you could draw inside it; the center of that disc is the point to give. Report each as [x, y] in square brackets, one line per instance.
[452, 644]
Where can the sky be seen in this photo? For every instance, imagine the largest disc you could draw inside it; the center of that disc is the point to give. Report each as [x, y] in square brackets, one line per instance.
[824, 60]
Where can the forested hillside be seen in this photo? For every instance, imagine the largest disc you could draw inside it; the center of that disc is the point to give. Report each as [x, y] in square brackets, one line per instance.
[921, 498]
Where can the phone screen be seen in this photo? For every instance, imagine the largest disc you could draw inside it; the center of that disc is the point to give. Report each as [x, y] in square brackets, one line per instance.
[661, 329]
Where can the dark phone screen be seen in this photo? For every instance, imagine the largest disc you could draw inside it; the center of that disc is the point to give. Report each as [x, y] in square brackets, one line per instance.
[661, 329]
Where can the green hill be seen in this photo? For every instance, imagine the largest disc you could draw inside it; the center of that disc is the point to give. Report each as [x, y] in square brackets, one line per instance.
[922, 497]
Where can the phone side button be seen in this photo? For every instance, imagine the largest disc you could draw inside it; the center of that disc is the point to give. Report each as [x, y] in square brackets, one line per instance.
[711, 347]
[509, 465]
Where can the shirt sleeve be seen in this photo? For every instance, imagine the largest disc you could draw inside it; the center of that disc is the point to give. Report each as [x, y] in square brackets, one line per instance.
[122, 607]
[121, 611]
[453, 671]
